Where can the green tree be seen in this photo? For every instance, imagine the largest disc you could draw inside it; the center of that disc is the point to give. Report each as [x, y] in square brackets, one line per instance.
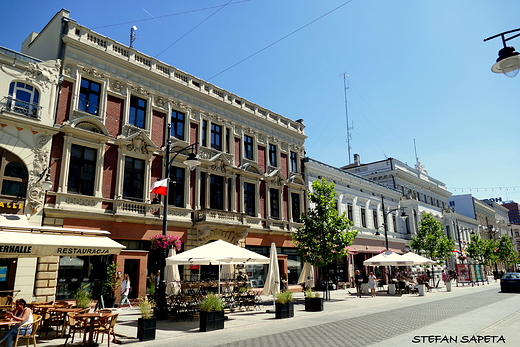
[506, 251]
[431, 241]
[326, 234]
[475, 249]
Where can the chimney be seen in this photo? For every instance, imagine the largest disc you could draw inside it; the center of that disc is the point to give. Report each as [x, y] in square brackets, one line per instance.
[356, 160]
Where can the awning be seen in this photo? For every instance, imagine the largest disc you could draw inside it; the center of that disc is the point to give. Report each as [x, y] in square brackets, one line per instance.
[35, 244]
[19, 239]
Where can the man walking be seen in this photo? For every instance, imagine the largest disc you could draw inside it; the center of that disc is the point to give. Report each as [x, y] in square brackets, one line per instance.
[359, 280]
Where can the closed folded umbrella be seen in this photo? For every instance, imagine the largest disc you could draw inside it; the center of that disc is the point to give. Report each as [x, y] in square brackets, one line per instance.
[307, 276]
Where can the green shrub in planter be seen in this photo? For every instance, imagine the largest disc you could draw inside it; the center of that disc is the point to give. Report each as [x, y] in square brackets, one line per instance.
[211, 313]
[284, 305]
[82, 297]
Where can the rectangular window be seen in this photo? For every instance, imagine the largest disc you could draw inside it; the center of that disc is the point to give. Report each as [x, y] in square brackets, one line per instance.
[294, 163]
[216, 137]
[177, 125]
[204, 133]
[274, 197]
[89, 95]
[203, 190]
[272, 155]
[394, 223]
[295, 207]
[363, 218]
[249, 199]
[82, 170]
[137, 112]
[374, 218]
[176, 187]
[350, 214]
[134, 179]
[216, 192]
[248, 147]
[228, 140]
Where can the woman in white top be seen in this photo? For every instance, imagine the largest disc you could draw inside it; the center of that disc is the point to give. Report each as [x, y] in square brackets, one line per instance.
[125, 290]
[20, 315]
[372, 283]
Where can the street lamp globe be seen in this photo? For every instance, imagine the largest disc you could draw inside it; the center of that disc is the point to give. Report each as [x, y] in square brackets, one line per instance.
[192, 161]
[508, 62]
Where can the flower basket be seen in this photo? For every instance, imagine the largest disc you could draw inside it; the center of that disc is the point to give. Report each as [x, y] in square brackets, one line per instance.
[165, 242]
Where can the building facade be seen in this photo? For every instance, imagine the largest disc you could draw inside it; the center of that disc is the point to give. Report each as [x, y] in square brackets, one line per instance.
[115, 105]
[28, 88]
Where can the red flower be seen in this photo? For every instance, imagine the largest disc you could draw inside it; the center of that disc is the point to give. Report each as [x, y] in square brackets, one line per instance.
[165, 242]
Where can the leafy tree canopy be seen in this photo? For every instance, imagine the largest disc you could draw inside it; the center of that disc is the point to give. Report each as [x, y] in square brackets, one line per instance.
[431, 241]
[326, 234]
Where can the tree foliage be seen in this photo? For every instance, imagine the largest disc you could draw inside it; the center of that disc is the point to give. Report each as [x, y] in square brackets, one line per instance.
[431, 241]
[506, 251]
[326, 234]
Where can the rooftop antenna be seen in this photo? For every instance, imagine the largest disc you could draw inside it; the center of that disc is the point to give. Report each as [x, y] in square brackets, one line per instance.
[349, 136]
[132, 35]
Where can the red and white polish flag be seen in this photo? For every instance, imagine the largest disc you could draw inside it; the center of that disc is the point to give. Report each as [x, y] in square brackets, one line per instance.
[159, 187]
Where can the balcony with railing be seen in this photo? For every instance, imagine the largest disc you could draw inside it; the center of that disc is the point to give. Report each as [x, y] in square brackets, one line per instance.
[8, 104]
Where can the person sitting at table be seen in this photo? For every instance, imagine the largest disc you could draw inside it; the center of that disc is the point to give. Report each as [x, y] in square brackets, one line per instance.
[241, 276]
[20, 315]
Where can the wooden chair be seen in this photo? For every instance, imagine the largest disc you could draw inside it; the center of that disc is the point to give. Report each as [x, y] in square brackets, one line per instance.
[107, 326]
[28, 336]
[6, 303]
[75, 325]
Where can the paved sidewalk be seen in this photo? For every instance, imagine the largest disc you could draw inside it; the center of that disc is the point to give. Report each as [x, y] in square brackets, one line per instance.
[343, 300]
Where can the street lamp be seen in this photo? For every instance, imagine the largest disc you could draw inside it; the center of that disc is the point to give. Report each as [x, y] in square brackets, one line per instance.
[403, 216]
[191, 162]
[508, 61]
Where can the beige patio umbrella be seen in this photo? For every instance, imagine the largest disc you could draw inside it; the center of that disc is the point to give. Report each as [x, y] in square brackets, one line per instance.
[272, 280]
[172, 275]
[307, 276]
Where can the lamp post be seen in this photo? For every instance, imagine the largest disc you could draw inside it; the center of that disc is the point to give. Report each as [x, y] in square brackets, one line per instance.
[460, 243]
[508, 61]
[385, 220]
[191, 162]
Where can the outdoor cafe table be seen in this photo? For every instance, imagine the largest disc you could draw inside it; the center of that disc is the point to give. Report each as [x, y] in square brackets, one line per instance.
[62, 311]
[89, 326]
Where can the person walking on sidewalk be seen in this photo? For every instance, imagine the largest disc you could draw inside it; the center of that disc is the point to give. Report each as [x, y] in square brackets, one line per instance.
[372, 282]
[359, 280]
[125, 290]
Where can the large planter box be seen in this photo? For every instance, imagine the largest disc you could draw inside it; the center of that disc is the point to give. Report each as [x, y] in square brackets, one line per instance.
[314, 304]
[284, 310]
[209, 321]
[146, 328]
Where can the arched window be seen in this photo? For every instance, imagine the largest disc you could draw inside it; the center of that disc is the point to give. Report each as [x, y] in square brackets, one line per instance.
[24, 99]
[13, 175]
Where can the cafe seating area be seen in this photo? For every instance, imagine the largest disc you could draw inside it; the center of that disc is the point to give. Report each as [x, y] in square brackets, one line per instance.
[184, 298]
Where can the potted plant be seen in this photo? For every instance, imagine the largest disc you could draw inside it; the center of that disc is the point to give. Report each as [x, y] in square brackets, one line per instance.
[112, 282]
[313, 301]
[211, 313]
[284, 305]
[82, 297]
[146, 325]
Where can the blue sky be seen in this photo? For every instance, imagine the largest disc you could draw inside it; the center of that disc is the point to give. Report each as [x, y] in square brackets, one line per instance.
[417, 70]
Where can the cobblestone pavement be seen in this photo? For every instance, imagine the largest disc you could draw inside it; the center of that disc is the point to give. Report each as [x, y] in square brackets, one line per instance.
[376, 327]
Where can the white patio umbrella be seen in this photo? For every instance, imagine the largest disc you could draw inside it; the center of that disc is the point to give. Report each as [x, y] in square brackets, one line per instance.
[272, 280]
[172, 275]
[388, 258]
[418, 259]
[307, 276]
[217, 253]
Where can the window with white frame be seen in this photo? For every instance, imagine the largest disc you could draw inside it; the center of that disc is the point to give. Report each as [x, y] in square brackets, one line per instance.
[216, 188]
[89, 96]
[216, 136]
[274, 198]
[82, 170]
[249, 199]
[273, 155]
[137, 116]
[176, 187]
[295, 207]
[248, 147]
[363, 218]
[13, 175]
[177, 121]
[293, 159]
[133, 184]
